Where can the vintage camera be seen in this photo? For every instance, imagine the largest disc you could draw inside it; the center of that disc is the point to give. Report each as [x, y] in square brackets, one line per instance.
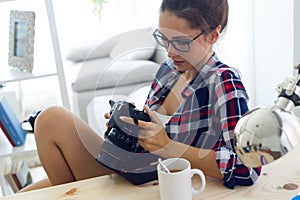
[122, 134]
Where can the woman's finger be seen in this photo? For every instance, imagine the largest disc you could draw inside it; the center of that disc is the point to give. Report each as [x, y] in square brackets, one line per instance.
[106, 115]
[107, 125]
[152, 115]
[130, 120]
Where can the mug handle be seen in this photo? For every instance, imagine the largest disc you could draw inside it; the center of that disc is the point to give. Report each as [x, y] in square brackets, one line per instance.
[203, 181]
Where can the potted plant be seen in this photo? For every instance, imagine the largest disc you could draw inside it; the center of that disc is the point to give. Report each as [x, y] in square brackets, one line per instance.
[98, 7]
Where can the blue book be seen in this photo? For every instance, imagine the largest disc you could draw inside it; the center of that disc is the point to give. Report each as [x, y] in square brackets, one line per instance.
[10, 124]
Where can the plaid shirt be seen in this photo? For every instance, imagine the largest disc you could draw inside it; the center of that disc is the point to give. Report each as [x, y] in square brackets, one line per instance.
[213, 103]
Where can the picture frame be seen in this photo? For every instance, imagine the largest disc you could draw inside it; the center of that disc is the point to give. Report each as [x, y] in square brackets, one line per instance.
[21, 40]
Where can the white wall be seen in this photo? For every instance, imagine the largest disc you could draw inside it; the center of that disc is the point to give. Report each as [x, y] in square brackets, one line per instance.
[274, 46]
[235, 47]
[260, 42]
[77, 23]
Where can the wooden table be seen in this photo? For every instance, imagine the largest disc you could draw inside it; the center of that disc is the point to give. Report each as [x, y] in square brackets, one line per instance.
[271, 185]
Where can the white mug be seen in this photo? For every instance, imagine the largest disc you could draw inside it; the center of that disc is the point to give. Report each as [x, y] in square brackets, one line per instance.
[177, 185]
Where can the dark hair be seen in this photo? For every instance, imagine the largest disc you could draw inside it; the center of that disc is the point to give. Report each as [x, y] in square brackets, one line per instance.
[201, 14]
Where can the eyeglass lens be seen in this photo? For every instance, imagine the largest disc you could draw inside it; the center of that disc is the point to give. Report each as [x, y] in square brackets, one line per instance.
[180, 45]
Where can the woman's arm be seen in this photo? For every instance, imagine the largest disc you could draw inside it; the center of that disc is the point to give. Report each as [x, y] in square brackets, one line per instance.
[153, 138]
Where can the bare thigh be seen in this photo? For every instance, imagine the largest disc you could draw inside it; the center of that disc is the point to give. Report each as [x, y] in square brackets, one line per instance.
[67, 147]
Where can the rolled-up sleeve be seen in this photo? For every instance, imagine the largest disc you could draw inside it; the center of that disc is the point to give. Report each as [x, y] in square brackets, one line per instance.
[233, 170]
[231, 105]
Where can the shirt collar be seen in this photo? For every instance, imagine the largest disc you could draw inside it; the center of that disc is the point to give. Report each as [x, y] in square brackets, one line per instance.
[198, 81]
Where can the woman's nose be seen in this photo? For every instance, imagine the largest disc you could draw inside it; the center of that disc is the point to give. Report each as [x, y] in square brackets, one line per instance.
[171, 51]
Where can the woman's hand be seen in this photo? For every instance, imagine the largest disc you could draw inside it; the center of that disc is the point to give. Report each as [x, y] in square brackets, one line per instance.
[107, 115]
[152, 135]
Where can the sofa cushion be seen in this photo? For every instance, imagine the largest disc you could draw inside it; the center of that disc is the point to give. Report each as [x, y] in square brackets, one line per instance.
[135, 45]
[104, 73]
[93, 49]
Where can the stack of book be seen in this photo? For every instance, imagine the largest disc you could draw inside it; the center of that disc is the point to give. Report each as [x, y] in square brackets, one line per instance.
[17, 174]
[10, 124]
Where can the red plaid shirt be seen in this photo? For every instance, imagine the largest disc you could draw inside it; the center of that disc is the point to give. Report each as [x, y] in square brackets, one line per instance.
[213, 103]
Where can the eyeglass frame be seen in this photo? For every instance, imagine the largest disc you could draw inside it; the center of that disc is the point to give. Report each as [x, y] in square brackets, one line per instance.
[188, 42]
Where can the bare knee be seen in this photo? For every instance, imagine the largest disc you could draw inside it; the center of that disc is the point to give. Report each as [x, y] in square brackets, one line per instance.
[49, 119]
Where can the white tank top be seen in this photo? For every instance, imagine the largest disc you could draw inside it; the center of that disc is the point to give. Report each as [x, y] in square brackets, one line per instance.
[163, 118]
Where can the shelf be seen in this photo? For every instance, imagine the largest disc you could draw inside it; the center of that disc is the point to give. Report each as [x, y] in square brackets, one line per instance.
[6, 149]
[14, 75]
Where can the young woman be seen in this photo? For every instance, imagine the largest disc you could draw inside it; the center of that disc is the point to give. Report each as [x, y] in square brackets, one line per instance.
[194, 104]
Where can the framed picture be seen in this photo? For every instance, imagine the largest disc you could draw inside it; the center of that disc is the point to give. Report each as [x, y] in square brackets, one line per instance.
[21, 40]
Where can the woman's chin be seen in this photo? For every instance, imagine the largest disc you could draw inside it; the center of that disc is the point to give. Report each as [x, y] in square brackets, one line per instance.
[180, 69]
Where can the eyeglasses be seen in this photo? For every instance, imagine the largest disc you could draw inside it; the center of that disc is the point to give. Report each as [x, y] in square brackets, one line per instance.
[181, 45]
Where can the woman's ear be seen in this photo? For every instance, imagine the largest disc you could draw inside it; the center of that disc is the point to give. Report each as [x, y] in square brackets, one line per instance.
[215, 34]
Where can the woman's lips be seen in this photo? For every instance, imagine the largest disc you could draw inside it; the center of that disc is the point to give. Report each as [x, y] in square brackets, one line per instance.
[178, 63]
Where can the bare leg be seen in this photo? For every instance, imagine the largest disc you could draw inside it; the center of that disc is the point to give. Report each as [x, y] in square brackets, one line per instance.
[37, 185]
[67, 147]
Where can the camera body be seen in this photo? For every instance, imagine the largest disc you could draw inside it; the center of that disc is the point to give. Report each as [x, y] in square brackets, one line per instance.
[122, 134]
[121, 151]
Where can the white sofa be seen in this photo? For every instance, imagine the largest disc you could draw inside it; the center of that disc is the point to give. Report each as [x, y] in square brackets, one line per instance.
[118, 66]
